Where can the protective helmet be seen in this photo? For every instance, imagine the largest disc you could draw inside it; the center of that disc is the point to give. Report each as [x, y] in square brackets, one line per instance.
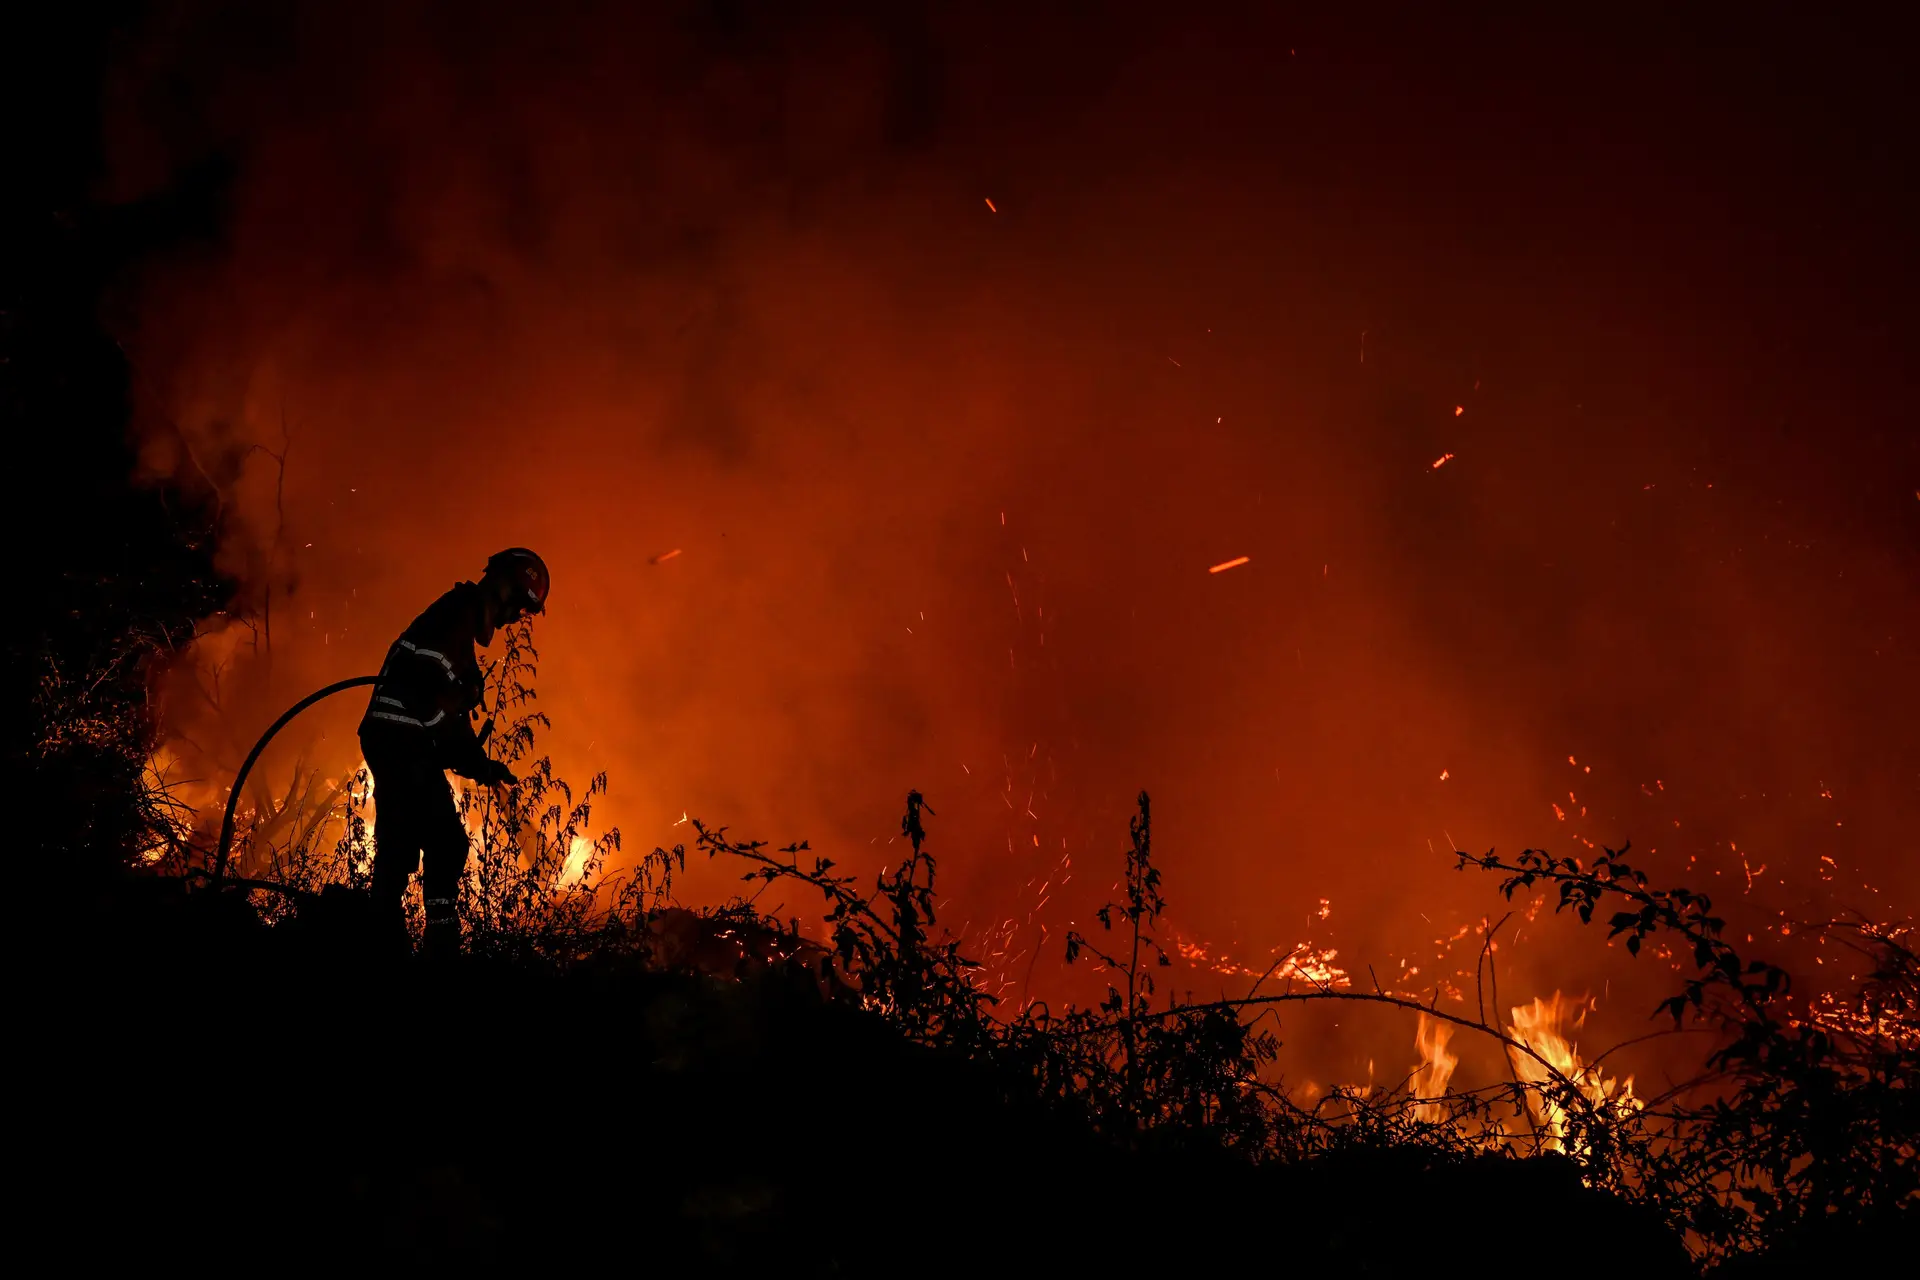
[526, 575]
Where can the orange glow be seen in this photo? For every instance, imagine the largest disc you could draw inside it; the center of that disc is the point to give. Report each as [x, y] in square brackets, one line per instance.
[679, 293]
[579, 850]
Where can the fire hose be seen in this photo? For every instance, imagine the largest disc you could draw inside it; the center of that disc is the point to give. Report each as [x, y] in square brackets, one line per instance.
[240, 779]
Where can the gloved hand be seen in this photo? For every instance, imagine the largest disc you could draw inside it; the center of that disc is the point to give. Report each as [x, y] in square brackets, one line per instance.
[497, 775]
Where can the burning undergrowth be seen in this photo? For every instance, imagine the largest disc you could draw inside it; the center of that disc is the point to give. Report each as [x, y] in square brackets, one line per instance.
[1358, 593]
[1799, 1129]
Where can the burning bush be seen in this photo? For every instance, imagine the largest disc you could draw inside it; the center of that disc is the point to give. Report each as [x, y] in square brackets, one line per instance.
[1802, 1127]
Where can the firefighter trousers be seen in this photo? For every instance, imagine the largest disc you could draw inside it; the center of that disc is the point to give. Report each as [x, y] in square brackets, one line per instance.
[415, 826]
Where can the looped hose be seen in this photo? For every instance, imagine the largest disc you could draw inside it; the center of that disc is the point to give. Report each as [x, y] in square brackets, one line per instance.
[240, 781]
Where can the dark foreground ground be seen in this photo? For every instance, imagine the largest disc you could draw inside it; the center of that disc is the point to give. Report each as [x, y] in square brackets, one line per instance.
[202, 1092]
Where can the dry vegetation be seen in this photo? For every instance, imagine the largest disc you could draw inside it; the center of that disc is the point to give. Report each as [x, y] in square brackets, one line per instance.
[1796, 1139]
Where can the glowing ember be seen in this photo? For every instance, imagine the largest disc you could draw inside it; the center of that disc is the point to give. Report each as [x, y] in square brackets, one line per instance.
[1441, 461]
[1303, 961]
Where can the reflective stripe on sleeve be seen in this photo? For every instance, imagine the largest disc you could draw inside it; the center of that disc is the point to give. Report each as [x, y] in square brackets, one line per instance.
[435, 654]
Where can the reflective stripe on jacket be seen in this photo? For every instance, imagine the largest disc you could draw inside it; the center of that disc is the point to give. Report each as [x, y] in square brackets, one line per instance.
[431, 681]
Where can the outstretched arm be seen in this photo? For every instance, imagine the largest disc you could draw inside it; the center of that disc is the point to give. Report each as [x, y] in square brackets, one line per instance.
[461, 751]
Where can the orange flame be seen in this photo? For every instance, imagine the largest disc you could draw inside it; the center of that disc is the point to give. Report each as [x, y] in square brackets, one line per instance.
[1544, 1026]
[1430, 1078]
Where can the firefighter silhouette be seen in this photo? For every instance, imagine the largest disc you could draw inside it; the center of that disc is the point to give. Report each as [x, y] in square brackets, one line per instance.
[418, 727]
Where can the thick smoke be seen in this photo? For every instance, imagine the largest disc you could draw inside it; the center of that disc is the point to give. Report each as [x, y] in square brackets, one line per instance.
[950, 349]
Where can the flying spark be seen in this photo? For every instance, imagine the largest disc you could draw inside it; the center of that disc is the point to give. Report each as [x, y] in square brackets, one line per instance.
[663, 557]
[1441, 461]
[1230, 564]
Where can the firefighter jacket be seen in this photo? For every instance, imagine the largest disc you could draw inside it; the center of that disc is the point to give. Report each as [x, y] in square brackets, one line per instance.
[431, 683]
